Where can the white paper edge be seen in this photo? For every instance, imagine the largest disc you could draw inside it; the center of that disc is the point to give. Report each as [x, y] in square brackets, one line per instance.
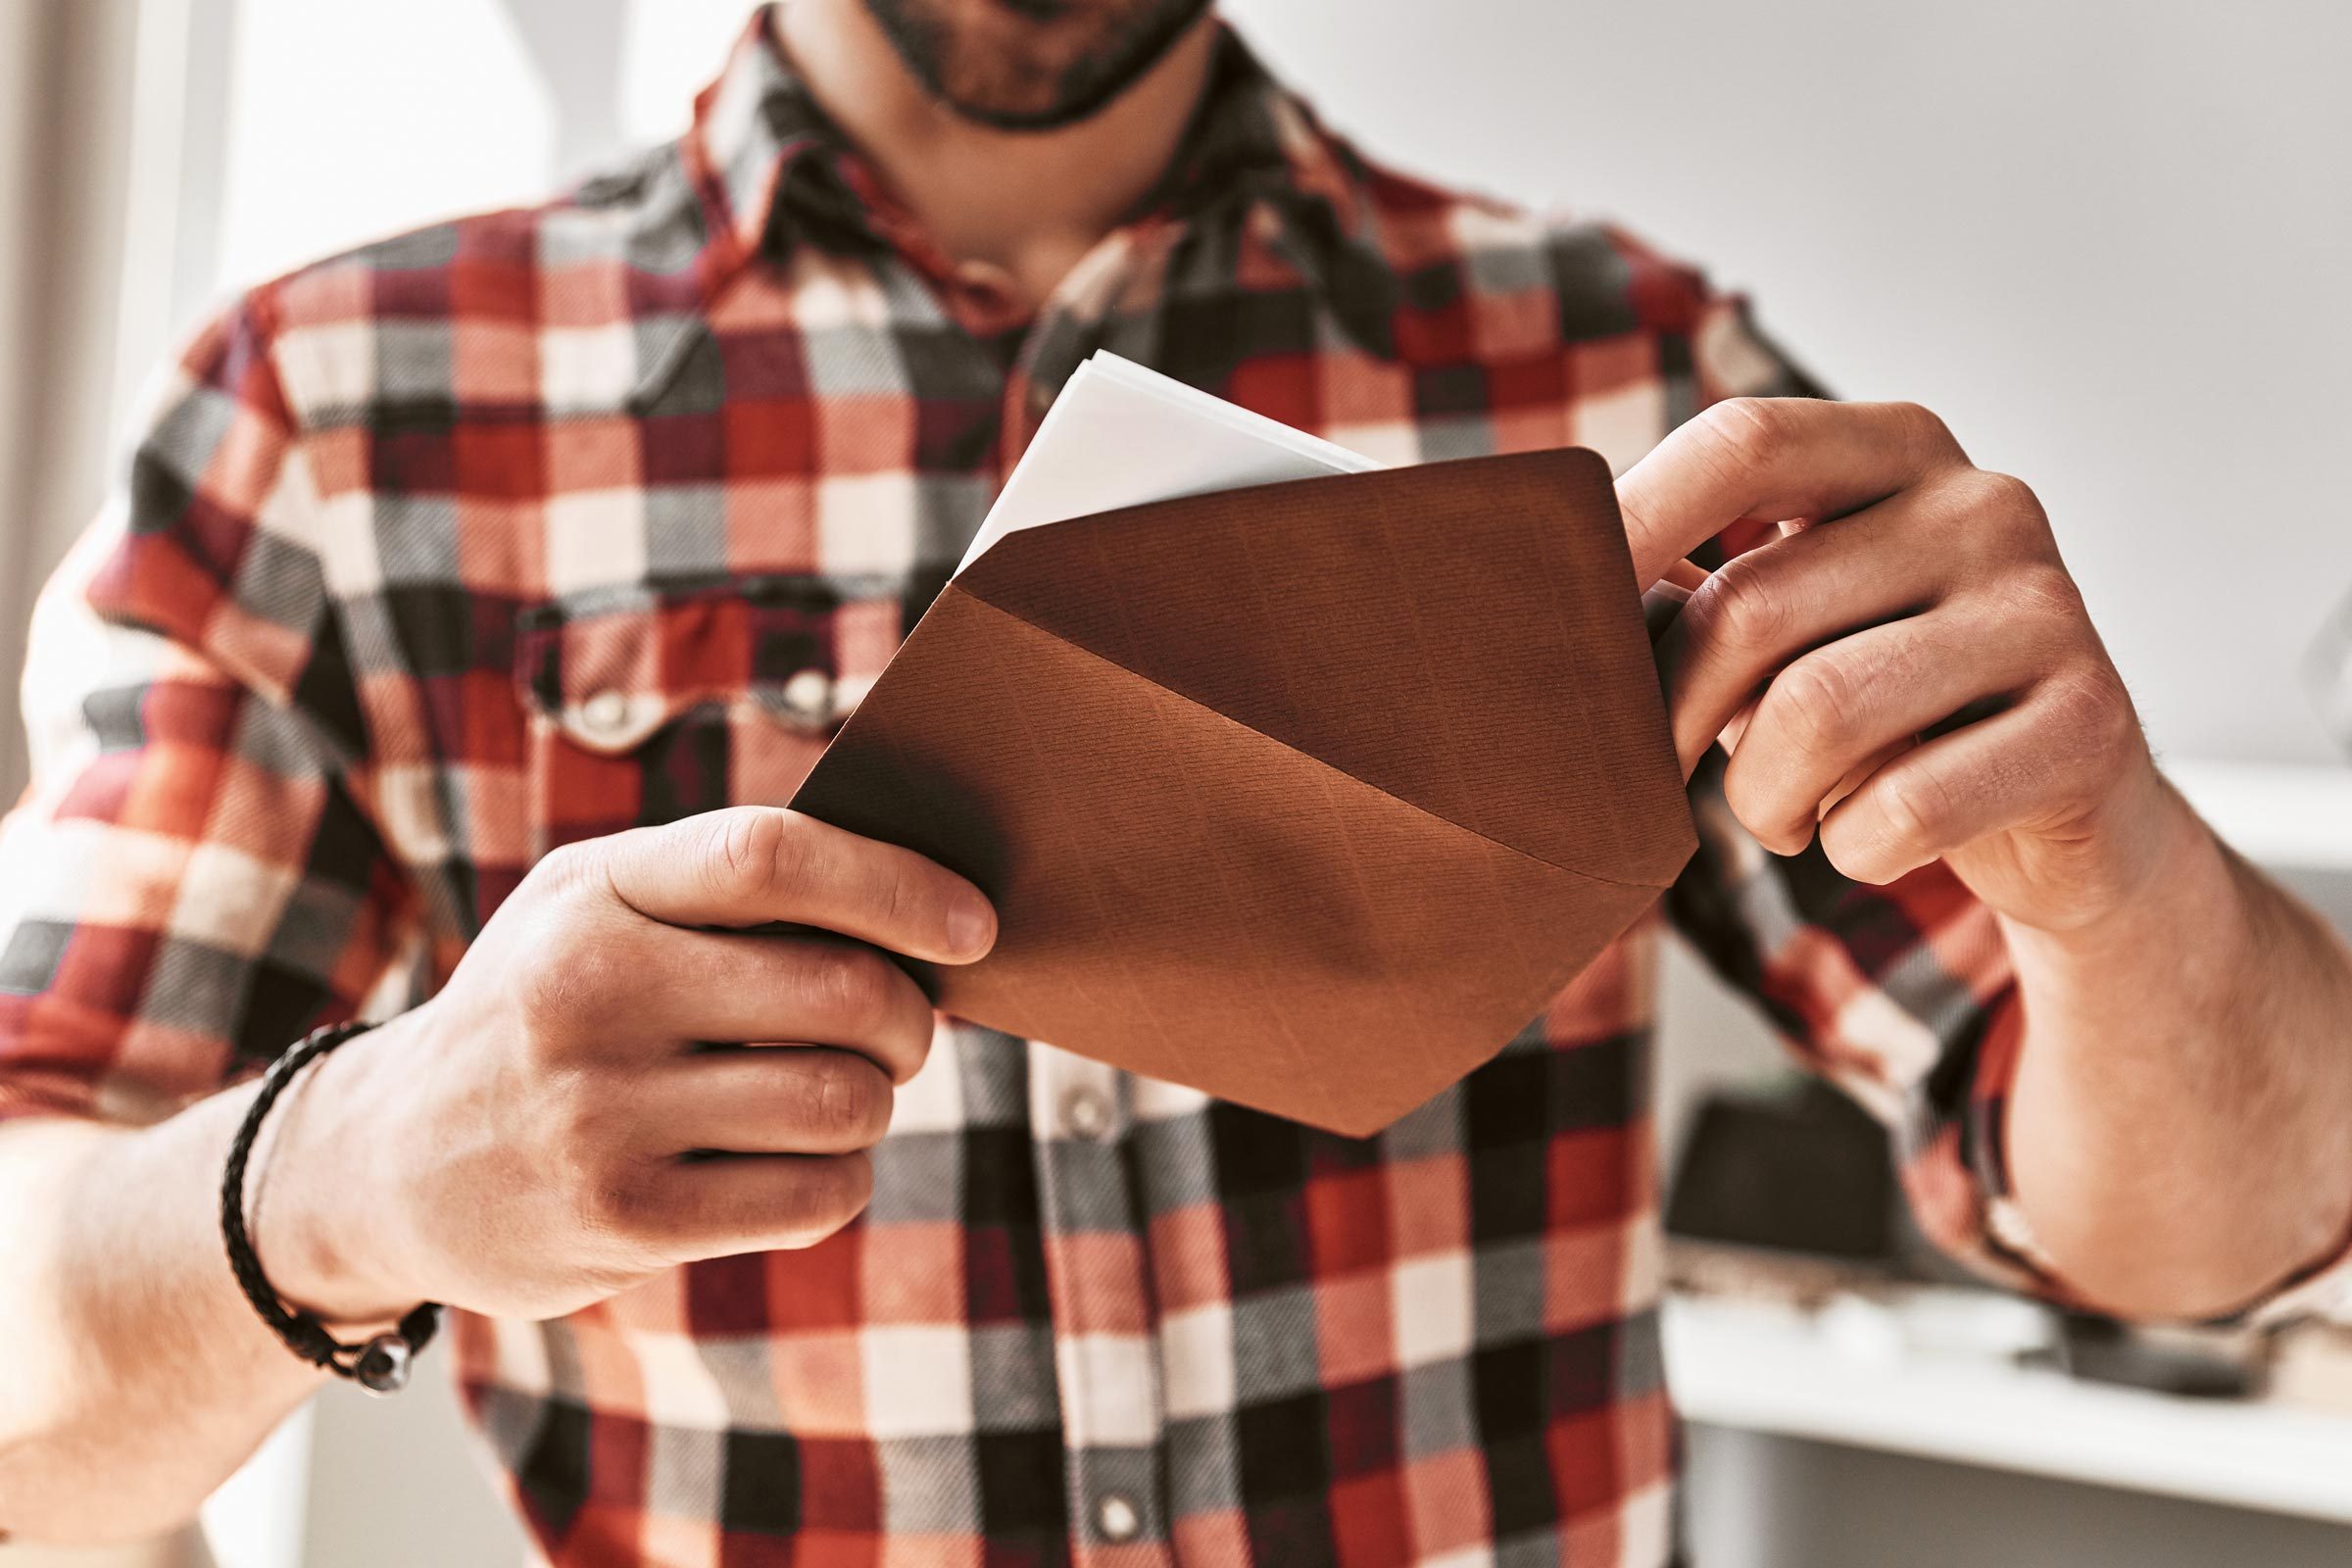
[1184, 403]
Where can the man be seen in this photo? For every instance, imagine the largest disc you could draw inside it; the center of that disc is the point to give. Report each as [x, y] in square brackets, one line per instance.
[476, 597]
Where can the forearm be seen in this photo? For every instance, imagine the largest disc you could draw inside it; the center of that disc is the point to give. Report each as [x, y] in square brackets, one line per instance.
[138, 1377]
[2180, 1131]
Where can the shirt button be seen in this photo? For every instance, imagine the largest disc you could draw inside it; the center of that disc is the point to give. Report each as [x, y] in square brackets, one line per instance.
[606, 713]
[1116, 1518]
[810, 695]
[1086, 1113]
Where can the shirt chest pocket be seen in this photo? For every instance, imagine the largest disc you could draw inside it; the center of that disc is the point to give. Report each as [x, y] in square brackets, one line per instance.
[644, 706]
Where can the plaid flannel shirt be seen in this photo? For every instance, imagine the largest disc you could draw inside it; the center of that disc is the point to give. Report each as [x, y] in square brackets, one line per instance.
[546, 523]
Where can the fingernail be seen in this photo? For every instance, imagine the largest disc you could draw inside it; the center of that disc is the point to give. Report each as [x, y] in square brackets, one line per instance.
[971, 924]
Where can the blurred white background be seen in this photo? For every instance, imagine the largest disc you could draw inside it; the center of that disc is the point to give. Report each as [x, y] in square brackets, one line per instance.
[2108, 239]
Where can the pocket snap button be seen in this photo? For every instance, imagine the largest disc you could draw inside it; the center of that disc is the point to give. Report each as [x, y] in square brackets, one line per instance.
[808, 696]
[604, 713]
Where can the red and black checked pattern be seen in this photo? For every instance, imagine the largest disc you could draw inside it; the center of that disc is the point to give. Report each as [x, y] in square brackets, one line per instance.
[537, 525]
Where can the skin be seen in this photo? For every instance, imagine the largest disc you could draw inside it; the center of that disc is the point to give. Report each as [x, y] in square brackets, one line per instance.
[1030, 65]
[536, 1137]
[518, 1145]
[1016, 209]
[1916, 679]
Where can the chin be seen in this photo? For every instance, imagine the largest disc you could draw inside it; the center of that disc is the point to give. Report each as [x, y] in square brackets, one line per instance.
[1032, 65]
[1038, 12]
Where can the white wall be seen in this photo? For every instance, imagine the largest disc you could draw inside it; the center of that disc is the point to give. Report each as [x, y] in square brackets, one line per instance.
[2108, 239]
[409, 112]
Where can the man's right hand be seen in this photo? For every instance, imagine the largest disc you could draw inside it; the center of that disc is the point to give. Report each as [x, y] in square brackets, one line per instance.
[626, 1073]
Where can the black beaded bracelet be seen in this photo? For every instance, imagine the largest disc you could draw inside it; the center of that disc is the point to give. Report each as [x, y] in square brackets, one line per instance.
[379, 1364]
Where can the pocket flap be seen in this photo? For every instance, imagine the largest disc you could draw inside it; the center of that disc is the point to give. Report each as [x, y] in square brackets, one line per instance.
[610, 669]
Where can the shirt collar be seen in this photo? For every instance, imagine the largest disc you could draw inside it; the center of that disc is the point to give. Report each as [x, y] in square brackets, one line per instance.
[767, 162]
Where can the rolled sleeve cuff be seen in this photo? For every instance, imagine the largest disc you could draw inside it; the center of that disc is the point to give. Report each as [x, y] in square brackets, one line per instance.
[2007, 1243]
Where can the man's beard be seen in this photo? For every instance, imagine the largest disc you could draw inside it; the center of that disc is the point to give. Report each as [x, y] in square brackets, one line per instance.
[1031, 65]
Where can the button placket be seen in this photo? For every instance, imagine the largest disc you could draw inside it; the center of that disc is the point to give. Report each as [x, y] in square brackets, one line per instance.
[1106, 1359]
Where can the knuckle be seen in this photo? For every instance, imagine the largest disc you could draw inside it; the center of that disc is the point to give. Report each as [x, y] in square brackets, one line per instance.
[1912, 812]
[758, 848]
[2010, 503]
[548, 993]
[2090, 713]
[825, 1195]
[849, 1104]
[569, 870]
[853, 989]
[565, 982]
[1750, 432]
[1924, 427]
[559, 866]
[612, 1199]
[926, 1037]
[894, 891]
[898, 898]
[595, 1119]
[1859, 858]
[742, 844]
[2043, 593]
[1740, 604]
[1817, 702]
[1763, 808]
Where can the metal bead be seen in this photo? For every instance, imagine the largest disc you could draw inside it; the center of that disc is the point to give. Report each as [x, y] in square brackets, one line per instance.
[383, 1364]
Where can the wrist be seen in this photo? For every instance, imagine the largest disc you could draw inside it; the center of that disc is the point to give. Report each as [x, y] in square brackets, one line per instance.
[2154, 863]
[319, 1204]
[2174, 915]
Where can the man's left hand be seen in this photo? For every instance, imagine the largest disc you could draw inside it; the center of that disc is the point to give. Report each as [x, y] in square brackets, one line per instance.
[1907, 669]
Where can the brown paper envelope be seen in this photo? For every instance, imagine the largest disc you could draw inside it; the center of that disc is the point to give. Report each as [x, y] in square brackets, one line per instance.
[1309, 796]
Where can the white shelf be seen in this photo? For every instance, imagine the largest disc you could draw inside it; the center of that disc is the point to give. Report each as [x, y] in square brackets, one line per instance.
[1766, 1368]
[257, 1517]
[2289, 816]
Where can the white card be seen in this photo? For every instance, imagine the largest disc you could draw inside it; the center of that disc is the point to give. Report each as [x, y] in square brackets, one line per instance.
[1121, 435]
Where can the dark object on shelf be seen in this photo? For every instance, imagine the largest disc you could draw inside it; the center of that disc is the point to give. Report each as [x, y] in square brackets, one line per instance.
[1803, 1170]
[2099, 1349]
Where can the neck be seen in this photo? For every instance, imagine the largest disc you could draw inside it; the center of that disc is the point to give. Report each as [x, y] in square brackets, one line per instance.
[1030, 202]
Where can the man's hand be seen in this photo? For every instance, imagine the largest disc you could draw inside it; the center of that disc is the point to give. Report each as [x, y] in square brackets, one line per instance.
[1907, 671]
[626, 1072]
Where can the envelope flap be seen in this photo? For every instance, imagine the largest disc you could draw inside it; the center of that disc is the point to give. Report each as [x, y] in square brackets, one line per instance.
[1185, 898]
[1465, 636]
